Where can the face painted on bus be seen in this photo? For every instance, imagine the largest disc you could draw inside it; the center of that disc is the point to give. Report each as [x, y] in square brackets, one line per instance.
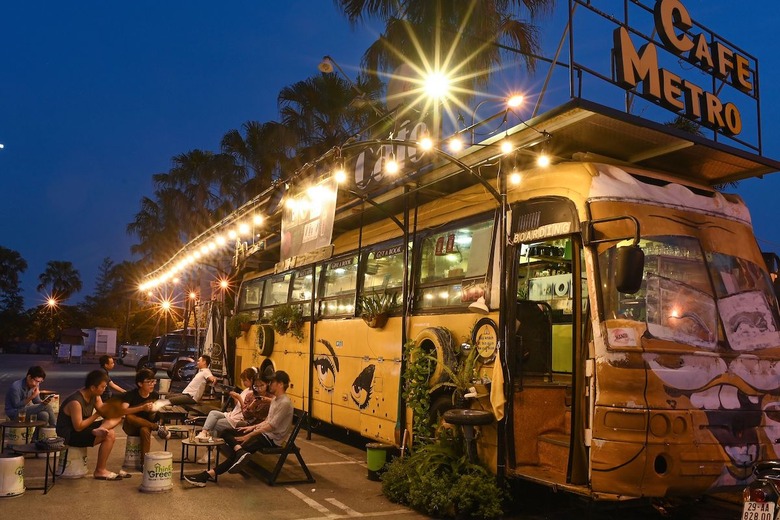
[739, 394]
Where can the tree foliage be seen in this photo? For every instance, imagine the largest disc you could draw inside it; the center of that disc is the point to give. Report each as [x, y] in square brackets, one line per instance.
[60, 279]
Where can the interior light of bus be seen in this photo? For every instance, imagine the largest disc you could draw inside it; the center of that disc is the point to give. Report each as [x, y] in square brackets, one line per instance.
[444, 295]
[429, 296]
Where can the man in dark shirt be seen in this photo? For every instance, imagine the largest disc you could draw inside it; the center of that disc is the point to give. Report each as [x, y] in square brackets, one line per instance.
[107, 363]
[143, 423]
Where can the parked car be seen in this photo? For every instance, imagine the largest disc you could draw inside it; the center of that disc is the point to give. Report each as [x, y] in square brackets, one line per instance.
[171, 352]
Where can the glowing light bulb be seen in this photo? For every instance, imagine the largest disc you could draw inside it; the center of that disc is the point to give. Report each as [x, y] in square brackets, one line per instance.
[514, 178]
[507, 146]
[426, 144]
[391, 166]
[543, 160]
[455, 144]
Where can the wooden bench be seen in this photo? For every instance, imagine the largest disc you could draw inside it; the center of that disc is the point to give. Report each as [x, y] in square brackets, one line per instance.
[282, 452]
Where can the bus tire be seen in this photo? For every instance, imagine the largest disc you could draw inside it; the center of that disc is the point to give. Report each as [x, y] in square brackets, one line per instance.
[265, 339]
[437, 341]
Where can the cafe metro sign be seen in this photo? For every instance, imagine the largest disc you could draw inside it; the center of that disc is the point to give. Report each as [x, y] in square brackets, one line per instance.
[678, 33]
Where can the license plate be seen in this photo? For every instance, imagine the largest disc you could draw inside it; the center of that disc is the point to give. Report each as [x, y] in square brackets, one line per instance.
[758, 511]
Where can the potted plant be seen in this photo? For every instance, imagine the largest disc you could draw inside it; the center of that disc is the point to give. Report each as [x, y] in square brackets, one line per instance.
[376, 308]
[238, 324]
[288, 319]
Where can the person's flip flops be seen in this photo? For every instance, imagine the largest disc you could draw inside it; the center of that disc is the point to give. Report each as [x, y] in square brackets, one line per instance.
[110, 476]
[124, 474]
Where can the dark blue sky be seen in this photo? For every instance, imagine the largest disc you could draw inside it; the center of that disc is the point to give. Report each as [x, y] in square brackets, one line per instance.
[96, 97]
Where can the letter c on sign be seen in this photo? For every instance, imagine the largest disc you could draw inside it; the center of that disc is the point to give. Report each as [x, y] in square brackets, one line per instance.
[671, 14]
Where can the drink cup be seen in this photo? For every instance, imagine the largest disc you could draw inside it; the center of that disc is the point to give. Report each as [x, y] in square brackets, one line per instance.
[22, 415]
[33, 417]
[192, 434]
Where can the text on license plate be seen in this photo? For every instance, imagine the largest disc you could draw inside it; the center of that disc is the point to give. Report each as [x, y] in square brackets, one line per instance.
[758, 511]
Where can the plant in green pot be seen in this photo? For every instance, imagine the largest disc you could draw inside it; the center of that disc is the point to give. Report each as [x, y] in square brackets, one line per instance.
[238, 324]
[376, 308]
[288, 319]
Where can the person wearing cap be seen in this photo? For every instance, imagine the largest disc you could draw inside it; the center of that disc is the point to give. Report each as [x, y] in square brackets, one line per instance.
[248, 439]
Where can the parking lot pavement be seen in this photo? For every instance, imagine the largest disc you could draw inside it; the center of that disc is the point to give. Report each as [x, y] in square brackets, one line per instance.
[342, 490]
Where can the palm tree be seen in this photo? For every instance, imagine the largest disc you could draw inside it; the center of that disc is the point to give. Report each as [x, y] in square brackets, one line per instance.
[61, 279]
[416, 32]
[261, 154]
[321, 113]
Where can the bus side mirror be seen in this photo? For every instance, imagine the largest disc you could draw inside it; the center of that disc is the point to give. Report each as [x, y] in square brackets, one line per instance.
[628, 272]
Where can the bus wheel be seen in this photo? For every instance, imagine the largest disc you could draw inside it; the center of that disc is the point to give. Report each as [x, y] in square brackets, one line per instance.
[265, 339]
[437, 341]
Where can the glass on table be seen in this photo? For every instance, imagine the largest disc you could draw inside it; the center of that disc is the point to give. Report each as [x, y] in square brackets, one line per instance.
[33, 417]
[22, 416]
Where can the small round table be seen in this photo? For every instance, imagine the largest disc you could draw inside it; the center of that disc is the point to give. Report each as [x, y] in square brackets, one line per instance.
[27, 425]
[51, 462]
[185, 446]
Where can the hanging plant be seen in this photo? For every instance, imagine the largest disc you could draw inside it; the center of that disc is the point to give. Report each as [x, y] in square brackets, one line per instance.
[376, 308]
[288, 319]
[238, 324]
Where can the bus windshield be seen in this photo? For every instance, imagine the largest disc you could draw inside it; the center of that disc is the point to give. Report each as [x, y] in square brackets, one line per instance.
[695, 297]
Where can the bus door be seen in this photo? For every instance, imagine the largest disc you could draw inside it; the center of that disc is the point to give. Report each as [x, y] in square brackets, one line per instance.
[549, 293]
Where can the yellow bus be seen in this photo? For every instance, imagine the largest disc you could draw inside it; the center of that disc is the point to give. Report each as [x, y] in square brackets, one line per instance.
[670, 387]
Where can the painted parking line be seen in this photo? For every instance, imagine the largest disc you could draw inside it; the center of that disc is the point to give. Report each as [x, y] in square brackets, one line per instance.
[347, 511]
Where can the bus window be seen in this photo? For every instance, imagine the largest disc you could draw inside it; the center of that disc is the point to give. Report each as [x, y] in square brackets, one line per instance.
[275, 292]
[676, 298]
[545, 286]
[249, 298]
[301, 289]
[339, 284]
[454, 266]
[384, 270]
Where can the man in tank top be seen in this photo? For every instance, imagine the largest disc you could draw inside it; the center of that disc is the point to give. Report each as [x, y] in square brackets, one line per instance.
[80, 421]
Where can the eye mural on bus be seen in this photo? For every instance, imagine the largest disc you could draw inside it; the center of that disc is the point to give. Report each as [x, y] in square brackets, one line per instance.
[326, 367]
[363, 387]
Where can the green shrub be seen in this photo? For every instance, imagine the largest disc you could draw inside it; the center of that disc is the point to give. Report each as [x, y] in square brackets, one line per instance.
[438, 480]
[477, 496]
[395, 480]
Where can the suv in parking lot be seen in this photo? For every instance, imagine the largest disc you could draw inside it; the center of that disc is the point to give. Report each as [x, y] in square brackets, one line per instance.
[171, 352]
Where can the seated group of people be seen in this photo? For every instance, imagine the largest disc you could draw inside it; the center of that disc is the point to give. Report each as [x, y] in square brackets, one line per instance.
[262, 415]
